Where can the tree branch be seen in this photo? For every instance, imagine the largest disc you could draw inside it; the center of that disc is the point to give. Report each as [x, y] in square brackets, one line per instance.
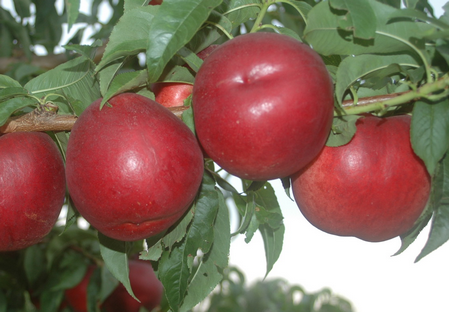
[39, 120]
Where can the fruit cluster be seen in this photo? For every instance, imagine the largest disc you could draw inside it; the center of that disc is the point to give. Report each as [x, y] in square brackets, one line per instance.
[133, 168]
[263, 109]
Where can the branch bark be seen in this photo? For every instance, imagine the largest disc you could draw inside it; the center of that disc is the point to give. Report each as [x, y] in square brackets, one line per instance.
[51, 121]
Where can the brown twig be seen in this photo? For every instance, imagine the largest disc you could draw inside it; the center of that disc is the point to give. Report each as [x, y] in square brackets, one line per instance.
[371, 99]
[51, 121]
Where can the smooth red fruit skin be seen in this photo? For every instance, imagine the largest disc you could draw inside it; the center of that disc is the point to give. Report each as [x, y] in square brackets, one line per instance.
[373, 188]
[32, 188]
[145, 285]
[171, 94]
[133, 168]
[155, 2]
[263, 105]
[77, 296]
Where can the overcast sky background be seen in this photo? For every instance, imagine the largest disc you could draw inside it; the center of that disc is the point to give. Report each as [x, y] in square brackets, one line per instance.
[365, 273]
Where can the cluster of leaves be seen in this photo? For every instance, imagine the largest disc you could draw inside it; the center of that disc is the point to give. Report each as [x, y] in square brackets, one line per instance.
[370, 47]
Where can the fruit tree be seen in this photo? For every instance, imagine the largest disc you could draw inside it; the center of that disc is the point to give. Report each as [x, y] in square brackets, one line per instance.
[135, 126]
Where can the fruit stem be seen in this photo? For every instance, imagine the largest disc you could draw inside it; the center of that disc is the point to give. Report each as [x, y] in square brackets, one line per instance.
[383, 103]
[263, 10]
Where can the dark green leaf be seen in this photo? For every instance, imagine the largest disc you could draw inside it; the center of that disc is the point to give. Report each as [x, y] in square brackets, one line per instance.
[273, 240]
[173, 27]
[179, 73]
[415, 14]
[325, 35]
[187, 118]
[10, 106]
[190, 58]
[12, 92]
[179, 232]
[73, 10]
[34, 263]
[125, 82]
[359, 17]
[353, 68]
[439, 232]
[286, 183]
[175, 266]
[430, 131]
[247, 9]
[130, 35]
[115, 258]
[209, 273]
[248, 214]
[22, 8]
[93, 290]
[343, 130]
[74, 78]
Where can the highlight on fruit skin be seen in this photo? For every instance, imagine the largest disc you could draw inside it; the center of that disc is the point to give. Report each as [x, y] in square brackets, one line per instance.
[32, 188]
[133, 168]
[263, 105]
[373, 188]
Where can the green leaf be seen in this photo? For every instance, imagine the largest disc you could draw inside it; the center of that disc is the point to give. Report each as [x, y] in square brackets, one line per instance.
[3, 302]
[343, 130]
[273, 240]
[22, 8]
[179, 73]
[248, 214]
[415, 14]
[190, 58]
[6, 81]
[88, 51]
[359, 18]
[353, 68]
[175, 267]
[125, 82]
[187, 118]
[8, 107]
[173, 27]
[34, 263]
[323, 32]
[247, 10]
[430, 131]
[286, 184]
[114, 254]
[179, 232]
[209, 273]
[303, 8]
[268, 210]
[74, 78]
[130, 35]
[408, 238]
[12, 92]
[439, 232]
[72, 8]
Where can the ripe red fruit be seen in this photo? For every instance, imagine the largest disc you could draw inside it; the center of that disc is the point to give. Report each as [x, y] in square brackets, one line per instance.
[32, 188]
[373, 188]
[171, 94]
[155, 2]
[133, 168]
[263, 105]
[145, 285]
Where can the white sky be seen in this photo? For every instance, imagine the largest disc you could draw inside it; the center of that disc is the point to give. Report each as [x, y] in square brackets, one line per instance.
[365, 273]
